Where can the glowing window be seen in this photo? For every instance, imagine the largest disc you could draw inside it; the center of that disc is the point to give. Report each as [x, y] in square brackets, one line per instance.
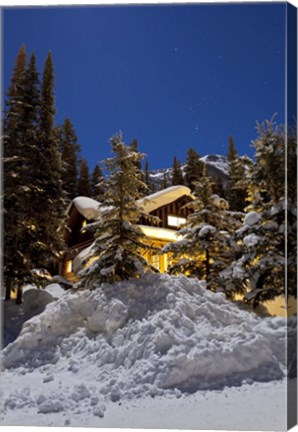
[155, 260]
[68, 266]
[176, 221]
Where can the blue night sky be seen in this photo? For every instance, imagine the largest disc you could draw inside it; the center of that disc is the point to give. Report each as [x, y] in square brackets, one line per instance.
[173, 77]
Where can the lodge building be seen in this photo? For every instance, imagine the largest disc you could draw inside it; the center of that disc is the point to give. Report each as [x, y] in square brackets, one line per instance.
[170, 211]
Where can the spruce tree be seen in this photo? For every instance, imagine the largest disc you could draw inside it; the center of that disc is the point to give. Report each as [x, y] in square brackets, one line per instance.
[16, 270]
[151, 188]
[138, 166]
[70, 150]
[177, 174]
[84, 187]
[236, 192]
[97, 189]
[47, 203]
[263, 234]
[207, 244]
[164, 183]
[193, 170]
[120, 243]
[147, 176]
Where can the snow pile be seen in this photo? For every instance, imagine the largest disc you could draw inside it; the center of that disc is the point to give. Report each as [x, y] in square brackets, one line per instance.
[144, 336]
[34, 302]
[55, 290]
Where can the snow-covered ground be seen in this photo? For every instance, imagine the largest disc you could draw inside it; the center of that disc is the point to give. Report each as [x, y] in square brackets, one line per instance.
[158, 352]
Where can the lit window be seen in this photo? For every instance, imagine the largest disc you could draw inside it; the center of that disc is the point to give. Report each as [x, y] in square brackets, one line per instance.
[155, 260]
[84, 223]
[68, 266]
[176, 221]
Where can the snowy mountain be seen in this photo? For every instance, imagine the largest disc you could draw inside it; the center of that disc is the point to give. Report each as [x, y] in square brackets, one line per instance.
[217, 168]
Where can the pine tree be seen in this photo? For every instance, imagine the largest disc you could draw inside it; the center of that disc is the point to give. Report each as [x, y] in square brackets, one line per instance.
[236, 190]
[15, 265]
[70, 150]
[138, 166]
[84, 187]
[147, 176]
[97, 189]
[47, 203]
[177, 175]
[151, 188]
[193, 170]
[119, 245]
[218, 187]
[232, 152]
[207, 245]
[263, 232]
[32, 195]
[164, 183]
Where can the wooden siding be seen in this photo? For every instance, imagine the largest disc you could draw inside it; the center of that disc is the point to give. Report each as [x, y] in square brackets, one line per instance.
[74, 235]
[175, 208]
[77, 240]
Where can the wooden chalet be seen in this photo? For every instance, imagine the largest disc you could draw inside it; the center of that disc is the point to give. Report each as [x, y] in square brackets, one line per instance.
[168, 205]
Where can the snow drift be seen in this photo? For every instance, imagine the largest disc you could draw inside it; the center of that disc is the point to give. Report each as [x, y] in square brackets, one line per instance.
[151, 335]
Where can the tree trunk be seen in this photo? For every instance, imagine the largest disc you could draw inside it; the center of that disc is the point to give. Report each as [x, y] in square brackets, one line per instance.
[8, 290]
[19, 298]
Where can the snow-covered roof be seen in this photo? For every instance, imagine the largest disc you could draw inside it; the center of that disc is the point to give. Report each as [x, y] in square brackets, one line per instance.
[91, 209]
[163, 197]
[160, 233]
[150, 231]
[88, 207]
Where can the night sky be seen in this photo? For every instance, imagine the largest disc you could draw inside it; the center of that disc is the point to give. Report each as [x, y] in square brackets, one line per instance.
[173, 77]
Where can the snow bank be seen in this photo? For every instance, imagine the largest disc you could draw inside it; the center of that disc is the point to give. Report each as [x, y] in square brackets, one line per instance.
[145, 336]
[55, 290]
[34, 302]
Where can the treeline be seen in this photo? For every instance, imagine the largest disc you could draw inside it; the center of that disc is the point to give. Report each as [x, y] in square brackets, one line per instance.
[42, 172]
[192, 171]
[252, 253]
[235, 237]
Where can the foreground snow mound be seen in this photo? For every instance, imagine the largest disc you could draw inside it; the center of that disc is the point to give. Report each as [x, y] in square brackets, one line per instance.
[142, 337]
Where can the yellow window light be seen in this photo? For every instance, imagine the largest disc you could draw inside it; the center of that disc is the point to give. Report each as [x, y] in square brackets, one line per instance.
[176, 221]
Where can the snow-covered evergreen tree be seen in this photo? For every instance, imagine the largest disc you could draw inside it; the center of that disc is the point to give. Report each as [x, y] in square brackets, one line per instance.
[84, 186]
[119, 243]
[236, 192]
[193, 168]
[206, 248]
[70, 151]
[97, 178]
[138, 166]
[16, 264]
[151, 188]
[261, 269]
[177, 174]
[47, 202]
